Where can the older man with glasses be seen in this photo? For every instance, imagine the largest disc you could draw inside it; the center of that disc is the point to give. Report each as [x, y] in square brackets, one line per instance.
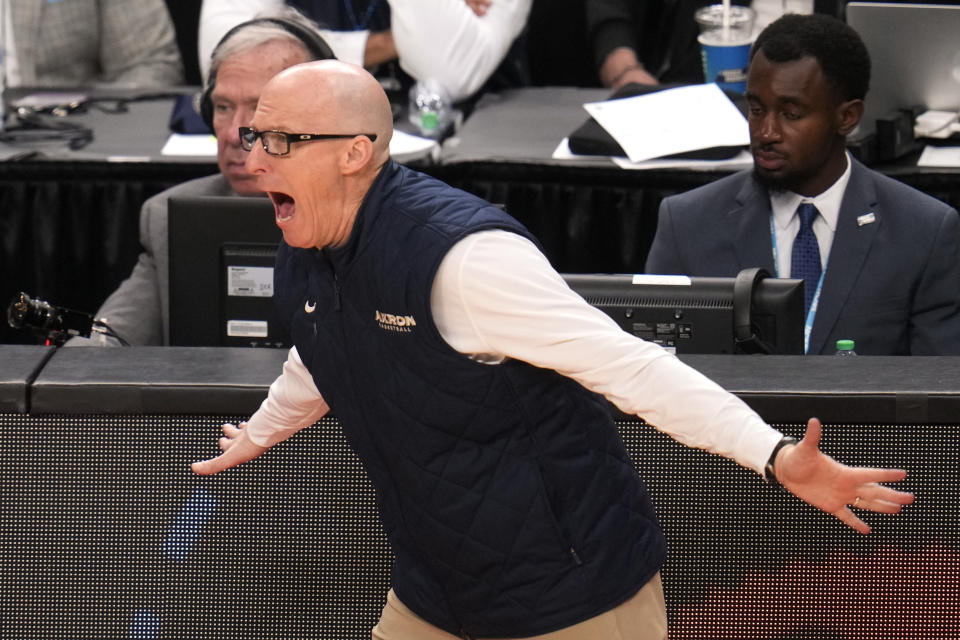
[466, 374]
[246, 58]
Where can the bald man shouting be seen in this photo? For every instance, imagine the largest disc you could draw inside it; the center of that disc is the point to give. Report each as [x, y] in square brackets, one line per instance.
[465, 375]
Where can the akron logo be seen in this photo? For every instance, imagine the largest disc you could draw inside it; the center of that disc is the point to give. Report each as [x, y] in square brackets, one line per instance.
[390, 322]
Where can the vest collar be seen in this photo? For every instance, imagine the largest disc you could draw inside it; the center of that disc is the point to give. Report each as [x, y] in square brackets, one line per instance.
[370, 210]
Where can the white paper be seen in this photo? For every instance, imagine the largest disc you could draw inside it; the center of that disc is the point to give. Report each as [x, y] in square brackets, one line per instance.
[939, 157]
[934, 124]
[562, 152]
[403, 146]
[672, 121]
[181, 144]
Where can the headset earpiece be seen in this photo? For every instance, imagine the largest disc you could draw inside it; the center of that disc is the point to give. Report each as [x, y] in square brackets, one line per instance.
[313, 41]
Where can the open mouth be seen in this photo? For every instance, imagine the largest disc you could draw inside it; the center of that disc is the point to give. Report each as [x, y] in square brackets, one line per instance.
[284, 206]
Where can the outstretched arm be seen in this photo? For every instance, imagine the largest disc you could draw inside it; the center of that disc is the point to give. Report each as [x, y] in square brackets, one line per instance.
[490, 296]
[833, 487]
[293, 403]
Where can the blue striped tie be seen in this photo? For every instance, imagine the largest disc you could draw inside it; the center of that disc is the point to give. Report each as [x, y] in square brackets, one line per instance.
[805, 258]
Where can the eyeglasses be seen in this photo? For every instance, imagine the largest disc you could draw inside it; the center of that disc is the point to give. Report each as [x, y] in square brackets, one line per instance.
[277, 143]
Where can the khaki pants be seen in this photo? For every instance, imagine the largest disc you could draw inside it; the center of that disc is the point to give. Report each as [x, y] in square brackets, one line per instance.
[642, 617]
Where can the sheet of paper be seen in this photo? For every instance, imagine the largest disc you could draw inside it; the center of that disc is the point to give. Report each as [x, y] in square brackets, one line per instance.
[562, 152]
[181, 144]
[672, 121]
[404, 146]
[939, 157]
[934, 124]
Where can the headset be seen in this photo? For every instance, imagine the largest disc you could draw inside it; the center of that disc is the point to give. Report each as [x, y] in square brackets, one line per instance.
[313, 41]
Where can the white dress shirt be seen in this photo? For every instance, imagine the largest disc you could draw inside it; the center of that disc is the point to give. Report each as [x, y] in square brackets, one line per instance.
[787, 223]
[494, 297]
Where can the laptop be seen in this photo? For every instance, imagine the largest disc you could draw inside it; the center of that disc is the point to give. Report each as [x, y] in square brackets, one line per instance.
[915, 55]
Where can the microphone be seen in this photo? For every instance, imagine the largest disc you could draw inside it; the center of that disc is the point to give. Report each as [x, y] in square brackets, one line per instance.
[25, 311]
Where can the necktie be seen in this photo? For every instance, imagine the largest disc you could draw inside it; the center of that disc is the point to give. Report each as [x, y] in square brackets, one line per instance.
[805, 258]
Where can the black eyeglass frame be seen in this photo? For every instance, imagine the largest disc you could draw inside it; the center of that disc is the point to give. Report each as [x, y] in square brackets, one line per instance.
[248, 137]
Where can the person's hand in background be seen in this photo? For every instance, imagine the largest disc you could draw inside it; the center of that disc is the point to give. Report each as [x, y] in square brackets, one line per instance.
[622, 67]
[480, 7]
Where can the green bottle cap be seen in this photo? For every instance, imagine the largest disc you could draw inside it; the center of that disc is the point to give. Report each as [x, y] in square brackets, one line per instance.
[429, 121]
[845, 345]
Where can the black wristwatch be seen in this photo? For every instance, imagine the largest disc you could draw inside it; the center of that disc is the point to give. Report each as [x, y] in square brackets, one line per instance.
[768, 472]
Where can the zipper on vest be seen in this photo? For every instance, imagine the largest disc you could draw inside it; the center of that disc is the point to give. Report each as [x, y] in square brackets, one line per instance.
[336, 292]
[336, 283]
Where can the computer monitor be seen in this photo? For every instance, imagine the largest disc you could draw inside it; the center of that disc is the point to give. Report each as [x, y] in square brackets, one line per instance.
[222, 251]
[913, 53]
[751, 313]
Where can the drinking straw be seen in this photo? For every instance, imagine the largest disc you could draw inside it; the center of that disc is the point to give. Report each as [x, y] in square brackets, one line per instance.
[726, 20]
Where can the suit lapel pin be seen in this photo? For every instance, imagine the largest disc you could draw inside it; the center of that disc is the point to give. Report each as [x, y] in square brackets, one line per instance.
[866, 218]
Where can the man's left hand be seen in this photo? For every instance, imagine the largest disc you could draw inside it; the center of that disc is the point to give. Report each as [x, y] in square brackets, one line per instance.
[833, 487]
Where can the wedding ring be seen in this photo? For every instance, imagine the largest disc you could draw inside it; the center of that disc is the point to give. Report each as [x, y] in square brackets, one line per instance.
[856, 502]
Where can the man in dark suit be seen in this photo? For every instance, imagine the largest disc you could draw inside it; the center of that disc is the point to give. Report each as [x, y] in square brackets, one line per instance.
[888, 274]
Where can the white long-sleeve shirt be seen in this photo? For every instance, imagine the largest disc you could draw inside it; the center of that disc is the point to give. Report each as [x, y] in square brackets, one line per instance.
[443, 40]
[494, 297]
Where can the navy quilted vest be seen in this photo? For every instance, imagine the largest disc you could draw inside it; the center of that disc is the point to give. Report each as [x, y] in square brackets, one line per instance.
[505, 490]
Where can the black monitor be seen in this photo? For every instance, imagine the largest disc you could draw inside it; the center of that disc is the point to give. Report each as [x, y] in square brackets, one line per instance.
[222, 251]
[751, 313]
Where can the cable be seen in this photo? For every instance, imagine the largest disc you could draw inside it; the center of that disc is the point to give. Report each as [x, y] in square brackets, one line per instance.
[30, 127]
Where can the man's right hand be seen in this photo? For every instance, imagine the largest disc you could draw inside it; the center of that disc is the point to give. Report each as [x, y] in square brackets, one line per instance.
[380, 48]
[622, 67]
[237, 448]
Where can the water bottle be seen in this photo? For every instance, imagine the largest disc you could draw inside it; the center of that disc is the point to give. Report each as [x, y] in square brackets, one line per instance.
[3, 74]
[430, 108]
[845, 348]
